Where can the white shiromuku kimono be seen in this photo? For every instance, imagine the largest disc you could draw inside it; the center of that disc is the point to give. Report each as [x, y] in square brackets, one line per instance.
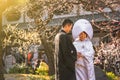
[84, 65]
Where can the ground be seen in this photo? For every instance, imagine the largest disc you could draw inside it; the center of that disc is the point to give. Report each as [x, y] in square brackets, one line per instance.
[25, 77]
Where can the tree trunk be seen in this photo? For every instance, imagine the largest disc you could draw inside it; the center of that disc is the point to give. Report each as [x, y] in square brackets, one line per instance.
[1, 54]
[49, 53]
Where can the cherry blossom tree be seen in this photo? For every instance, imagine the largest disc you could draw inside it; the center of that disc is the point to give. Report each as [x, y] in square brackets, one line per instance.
[36, 10]
[43, 11]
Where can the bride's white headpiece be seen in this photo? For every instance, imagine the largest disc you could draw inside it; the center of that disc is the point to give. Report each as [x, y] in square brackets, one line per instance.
[80, 26]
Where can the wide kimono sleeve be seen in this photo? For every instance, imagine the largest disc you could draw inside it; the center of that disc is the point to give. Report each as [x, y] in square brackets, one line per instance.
[88, 52]
[68, 51]
[85, 48]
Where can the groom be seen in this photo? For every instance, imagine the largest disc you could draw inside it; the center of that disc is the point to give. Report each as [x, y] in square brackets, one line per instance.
[65, 53]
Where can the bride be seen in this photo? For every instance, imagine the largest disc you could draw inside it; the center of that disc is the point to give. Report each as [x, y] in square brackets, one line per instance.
[82, 33]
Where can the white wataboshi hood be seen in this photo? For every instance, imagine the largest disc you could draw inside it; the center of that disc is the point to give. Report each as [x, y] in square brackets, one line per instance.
[80, 26]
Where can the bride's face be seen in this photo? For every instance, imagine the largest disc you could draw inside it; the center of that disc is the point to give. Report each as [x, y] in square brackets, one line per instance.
[82, 36]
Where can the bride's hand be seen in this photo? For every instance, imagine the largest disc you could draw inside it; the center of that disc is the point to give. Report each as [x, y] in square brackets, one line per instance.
[79, 55]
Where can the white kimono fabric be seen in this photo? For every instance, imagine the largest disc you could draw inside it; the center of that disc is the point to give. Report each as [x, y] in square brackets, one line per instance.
[84, 65]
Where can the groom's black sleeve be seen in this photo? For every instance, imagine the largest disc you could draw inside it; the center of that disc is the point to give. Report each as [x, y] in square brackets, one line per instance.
[68, 51]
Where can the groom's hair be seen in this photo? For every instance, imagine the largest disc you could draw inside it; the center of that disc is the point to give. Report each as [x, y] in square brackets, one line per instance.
[67, 21]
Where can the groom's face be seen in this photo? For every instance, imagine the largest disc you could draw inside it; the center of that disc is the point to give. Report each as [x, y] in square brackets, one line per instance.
[69, 27]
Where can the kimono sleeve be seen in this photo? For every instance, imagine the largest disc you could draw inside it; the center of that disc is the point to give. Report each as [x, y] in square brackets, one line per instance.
[89, 51]
[68, 52]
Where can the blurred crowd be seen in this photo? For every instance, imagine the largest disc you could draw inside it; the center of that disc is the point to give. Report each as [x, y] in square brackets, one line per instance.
[31, 58]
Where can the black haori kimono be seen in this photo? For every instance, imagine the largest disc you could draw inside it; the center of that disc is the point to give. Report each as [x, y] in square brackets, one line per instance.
[65, 57]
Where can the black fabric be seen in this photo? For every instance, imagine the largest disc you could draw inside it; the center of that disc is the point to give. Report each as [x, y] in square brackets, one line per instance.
[65, 57]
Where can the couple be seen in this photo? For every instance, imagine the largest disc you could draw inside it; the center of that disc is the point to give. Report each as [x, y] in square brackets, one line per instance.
[74, 60]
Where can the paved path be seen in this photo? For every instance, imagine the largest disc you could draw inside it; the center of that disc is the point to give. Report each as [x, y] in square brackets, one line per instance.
[10, 78]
